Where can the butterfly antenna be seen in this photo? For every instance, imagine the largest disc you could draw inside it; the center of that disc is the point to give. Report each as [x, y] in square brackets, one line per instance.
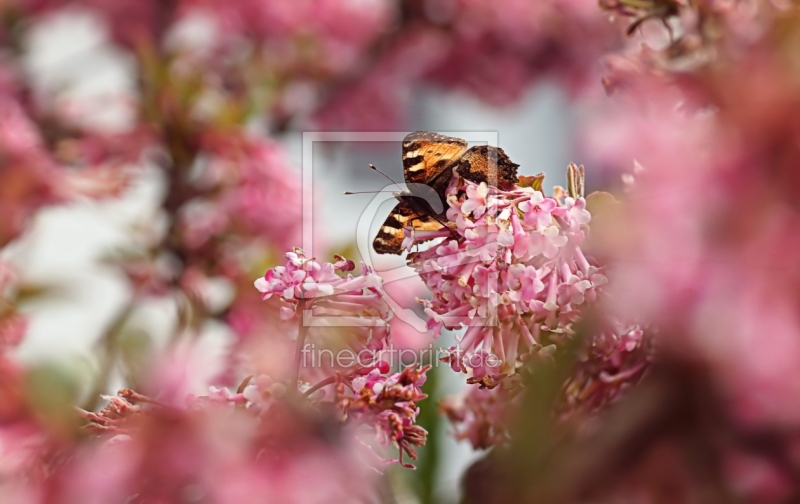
[366, 192]
[387, 176]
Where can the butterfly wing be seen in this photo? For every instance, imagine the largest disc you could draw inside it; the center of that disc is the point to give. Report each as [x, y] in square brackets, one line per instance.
[426, 155]
[485, 163]
[390, 237]
[428, 159]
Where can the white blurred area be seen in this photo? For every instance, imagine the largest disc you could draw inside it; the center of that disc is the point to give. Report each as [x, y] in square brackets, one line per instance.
[75, 67]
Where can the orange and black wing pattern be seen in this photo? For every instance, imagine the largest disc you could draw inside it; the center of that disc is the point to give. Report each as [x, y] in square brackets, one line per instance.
[390, 237]
[485, 163]
[426, 155]
[429, 158]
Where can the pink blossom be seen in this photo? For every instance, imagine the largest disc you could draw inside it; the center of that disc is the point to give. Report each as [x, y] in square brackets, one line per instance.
[577, 210]
[388, 404]
[335, 33]
[258, 192]
[538, 210]
[303, 278]
[241, 454]
[528, 280]
[514, 284]
[611, 362]
[380, 97]
[344, 308]
[493, 45]
[476, 200]
[481, 415]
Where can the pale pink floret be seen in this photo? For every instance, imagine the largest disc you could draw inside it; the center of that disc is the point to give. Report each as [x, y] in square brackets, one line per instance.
[538, 210]
[530, 284]
[476, 200]
[577, 210]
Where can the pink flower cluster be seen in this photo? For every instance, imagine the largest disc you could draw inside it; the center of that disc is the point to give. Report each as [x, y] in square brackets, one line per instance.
[388, 405]
[224, 447]
[372, 399]
[608, 365]
[499, 48]
[237, 191]
[481, 415]
[611, 363]
[323, 303]
[32, 176]
[513, 273]
[494, 51]
[305, 36]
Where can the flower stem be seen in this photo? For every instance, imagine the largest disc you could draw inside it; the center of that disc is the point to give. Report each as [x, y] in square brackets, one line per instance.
[301, 341]
[109, 354]
[324, 383]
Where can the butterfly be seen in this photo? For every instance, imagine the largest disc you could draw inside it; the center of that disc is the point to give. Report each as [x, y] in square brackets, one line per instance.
[430, 159]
